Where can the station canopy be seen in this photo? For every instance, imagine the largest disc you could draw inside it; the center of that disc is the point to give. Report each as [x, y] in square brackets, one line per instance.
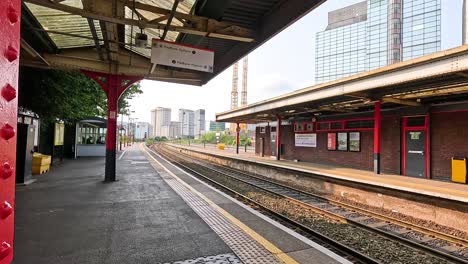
[100, 35]
[433, 80]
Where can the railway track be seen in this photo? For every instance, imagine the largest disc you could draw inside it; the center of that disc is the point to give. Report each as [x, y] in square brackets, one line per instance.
[447, 247]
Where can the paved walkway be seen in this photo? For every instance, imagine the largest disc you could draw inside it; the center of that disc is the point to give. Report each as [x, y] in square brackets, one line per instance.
[154, 213]
[449, 190]
[71, 216]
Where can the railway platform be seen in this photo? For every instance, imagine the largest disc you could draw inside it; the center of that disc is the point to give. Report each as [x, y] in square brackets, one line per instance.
[440, 189]
[154, 213]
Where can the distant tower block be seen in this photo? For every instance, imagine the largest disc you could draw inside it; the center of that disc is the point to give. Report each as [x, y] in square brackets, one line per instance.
[234, 93]
[244, 81]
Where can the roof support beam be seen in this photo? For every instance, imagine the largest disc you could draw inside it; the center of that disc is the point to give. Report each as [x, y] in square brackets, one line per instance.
[95, 38]
[208, 28]
[65, 62]
[169, 20]
[400, 101]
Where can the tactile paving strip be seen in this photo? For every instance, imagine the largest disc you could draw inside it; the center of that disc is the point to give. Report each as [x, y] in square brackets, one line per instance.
[218, 259]
[247, 249]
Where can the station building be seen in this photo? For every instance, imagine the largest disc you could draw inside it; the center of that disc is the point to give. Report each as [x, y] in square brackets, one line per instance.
[409, 118]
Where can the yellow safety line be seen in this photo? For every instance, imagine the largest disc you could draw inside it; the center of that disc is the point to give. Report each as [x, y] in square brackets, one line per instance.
[257, 237]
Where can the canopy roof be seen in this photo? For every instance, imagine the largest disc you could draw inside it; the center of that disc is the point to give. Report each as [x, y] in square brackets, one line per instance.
[428, 81]
[99, 35]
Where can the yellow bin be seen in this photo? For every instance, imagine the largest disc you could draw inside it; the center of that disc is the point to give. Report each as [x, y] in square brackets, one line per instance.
[459, 169]
[220, 146]
[41, 160]
[41, 163]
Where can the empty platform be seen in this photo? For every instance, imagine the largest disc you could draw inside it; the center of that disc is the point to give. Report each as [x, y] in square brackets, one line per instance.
[441, 189]
[154, 213]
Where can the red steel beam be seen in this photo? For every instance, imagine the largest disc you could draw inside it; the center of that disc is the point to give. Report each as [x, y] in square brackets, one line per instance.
[278, 139]
[10, 11]
[237, 138]
[114, 86]
[377, 132]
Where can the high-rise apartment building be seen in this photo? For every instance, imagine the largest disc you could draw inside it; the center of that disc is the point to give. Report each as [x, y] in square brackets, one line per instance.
[161, 121]
[375, 33]
[142, 130]
[187, 120]
[175, 129]
[199, 126]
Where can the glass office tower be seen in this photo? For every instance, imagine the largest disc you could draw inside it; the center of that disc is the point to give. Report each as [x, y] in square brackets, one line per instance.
[375, 33]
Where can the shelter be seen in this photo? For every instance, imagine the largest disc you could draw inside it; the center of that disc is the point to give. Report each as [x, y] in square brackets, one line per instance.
[98, 38]
[408, 118]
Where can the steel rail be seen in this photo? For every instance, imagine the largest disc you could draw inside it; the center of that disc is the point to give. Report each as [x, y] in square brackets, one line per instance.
[427, 231]
[412, 243]
[344, 250]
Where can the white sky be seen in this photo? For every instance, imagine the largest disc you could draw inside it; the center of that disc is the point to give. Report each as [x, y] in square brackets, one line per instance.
[283, 64]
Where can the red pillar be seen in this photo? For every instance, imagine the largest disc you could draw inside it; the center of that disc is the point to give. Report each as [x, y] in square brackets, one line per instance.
[237, 138]
[10, 13]
[278, 139]
[114, 86]
[377, 130]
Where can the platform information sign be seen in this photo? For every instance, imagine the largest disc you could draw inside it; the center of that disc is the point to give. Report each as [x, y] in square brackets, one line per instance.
[181, 56]
[59, 134]
[306, 140]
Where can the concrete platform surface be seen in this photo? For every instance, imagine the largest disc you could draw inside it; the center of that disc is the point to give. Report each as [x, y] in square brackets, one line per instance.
[71, 216]
[150, 215]
[447, 190]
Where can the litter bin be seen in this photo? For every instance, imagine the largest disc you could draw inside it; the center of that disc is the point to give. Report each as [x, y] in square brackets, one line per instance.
[459, 169]
[41, 163]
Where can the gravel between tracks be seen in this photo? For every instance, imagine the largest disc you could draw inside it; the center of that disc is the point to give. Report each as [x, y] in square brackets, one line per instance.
[375, 246]
[420, 222]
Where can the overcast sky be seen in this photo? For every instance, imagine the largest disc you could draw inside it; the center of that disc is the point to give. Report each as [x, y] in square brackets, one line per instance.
[283, 64]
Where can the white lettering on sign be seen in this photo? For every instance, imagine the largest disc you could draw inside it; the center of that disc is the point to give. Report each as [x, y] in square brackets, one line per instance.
[181, 56]
[306, 140]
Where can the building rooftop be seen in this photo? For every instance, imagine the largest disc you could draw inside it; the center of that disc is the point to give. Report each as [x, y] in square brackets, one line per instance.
[348, 15]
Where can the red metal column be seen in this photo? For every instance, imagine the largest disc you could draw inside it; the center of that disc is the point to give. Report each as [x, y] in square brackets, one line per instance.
[237, 138]
[377, 128]
[278, 139]
[114, 86]
[10, 11]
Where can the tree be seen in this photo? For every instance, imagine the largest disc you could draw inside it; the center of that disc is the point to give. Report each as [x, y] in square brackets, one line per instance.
[66, 95]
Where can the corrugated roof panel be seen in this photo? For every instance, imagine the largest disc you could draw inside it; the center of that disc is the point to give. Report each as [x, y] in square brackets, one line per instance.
[183, 7]
[55, 20]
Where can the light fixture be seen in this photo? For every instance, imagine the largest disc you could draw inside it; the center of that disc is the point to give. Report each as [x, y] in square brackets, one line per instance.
[141, 40]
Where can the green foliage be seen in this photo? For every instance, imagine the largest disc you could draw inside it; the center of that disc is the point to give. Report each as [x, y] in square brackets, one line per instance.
[160, 139]
[150, 141]
[68, 96]
[210, 137]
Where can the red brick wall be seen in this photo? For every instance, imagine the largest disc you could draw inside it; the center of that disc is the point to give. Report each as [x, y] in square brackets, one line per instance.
[391, 144]
[361, 160]
[449, 137]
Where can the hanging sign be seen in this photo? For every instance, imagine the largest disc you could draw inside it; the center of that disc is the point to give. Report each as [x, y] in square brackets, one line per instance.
[306, 140]
[181, 56]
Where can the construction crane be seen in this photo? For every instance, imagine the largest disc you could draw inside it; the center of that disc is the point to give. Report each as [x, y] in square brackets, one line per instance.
[234, 92]
[245, 63]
